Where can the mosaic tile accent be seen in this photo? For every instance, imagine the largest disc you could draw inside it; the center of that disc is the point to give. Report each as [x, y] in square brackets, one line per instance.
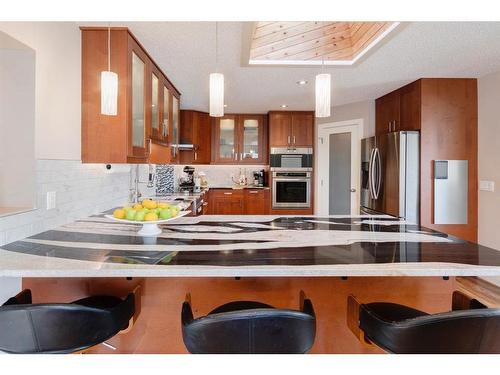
[164, 179]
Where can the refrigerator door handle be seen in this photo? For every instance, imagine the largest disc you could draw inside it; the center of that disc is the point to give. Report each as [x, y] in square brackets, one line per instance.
[379, 172]
[370, 174]
[376, 175]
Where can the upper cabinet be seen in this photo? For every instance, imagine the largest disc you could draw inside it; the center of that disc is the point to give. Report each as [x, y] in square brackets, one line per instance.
[399, 110]
[291, 129]
[195, 129]
[146, 127]
[239, 139]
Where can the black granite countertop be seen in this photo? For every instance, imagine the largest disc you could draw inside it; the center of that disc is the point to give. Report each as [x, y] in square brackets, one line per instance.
[248, 245]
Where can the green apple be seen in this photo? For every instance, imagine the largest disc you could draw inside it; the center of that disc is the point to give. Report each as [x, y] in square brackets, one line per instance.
[131, 214]
[127, 208]
[139, 216]
[165, 213]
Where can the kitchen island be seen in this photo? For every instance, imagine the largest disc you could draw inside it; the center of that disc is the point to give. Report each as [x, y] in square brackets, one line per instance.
[235, 246]
[271, 259]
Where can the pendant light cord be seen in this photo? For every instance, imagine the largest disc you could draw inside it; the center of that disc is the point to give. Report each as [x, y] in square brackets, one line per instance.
[109, 48]
[216, 45]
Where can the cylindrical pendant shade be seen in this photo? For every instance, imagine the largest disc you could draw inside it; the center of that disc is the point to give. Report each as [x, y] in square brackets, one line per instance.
[216, 95]
[323, 95]
[109, 93]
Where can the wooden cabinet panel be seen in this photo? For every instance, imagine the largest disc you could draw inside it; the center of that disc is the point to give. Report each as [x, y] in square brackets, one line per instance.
[303, 129]
[387, 113]
[128, 136]
[195, 129]
[280, 129]
[410, 106]
[290, 128]
[226, 202]
[239, 202]
[257, 201]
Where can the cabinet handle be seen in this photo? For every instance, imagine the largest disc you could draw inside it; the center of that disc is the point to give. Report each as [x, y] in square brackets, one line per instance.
[389, 126]
[394, 126]
[241, 155]
[294, 140]
[195, 155]
[288, 139]
[253, 192]
[228, 193]
[149, 140]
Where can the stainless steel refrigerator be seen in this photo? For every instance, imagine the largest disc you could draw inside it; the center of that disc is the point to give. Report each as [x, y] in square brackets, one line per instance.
[390, 171]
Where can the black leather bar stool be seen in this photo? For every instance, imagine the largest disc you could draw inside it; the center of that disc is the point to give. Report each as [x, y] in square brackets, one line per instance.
[244, 327]
[61, 327]
[402, 329]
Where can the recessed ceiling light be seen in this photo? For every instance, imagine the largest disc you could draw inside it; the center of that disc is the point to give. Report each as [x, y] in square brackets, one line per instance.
[302, 82]
[284, 106]
[225, 105]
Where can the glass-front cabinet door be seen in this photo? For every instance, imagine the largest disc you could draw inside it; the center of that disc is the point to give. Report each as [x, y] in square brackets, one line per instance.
[138, 123]
[250, 148]
[166, 115]
[175, 127]
[226, 147]
[155, 106]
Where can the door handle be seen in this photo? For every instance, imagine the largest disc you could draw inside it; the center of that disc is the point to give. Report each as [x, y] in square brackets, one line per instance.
[370, 175]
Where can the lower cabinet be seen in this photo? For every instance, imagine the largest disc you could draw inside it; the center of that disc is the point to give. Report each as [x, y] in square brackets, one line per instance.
[238, 202]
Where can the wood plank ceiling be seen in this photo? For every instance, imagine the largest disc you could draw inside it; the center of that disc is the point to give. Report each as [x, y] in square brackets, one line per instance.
[313, 42]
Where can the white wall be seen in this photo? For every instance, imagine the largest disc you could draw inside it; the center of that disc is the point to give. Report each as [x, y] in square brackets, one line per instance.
[489, 158]
[9, 287]
[364, 110]
[58, 85]
[17, 124]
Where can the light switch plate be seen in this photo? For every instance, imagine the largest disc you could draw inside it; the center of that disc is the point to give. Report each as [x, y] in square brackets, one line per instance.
[51, 200]
[487, 185]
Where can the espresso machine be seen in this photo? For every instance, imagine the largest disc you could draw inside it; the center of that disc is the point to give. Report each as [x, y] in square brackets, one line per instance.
[259, 178]
[186, 181]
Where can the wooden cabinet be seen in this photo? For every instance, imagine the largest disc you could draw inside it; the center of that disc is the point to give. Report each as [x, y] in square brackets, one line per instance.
[409, 106]
[398, 110]
[239, 139]
[226, 202]
[239, 201]
[387, 113]
[257, 201]
[291, 129]
[140, 132]
[444, 110]
[195, 129]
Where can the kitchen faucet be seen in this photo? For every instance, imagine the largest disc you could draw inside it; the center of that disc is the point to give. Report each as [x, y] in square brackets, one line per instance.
[135, 194]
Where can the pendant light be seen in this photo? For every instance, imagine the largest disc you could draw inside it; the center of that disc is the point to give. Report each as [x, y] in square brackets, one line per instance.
[323, 93]
[216, 86]
[109, 86]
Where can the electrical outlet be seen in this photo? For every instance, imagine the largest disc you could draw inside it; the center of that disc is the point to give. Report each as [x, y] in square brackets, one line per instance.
[487, 185]
[51, 200]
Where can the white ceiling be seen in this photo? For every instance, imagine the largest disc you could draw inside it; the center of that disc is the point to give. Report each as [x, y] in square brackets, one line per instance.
[186, 53]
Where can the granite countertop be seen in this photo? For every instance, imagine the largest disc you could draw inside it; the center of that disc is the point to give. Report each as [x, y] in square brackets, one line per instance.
[247, 246]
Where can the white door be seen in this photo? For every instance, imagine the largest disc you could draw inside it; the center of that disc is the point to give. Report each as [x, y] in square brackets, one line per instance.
[338, 167]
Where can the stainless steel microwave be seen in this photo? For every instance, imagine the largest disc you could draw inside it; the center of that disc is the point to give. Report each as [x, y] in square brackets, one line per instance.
[283, 158]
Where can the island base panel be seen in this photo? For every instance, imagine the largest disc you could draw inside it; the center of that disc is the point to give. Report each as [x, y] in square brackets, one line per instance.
[158, 328]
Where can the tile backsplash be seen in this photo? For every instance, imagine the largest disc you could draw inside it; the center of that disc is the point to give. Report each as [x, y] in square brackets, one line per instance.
[87, 189]
[81, 190]
[220, 175]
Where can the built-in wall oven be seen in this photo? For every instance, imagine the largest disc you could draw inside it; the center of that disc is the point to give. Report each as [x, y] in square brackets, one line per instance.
[291, 189]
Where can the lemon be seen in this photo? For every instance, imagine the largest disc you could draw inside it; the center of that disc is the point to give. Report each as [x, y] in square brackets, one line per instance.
[151, 216]
[163, 205]
[148, 203]
[119, 213]
[138, 207]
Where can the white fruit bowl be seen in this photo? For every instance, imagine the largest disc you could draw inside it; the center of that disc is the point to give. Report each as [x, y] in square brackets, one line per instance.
[149, 228]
